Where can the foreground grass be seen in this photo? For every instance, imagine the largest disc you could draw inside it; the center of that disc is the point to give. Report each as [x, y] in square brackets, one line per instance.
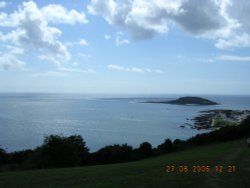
[147, 173]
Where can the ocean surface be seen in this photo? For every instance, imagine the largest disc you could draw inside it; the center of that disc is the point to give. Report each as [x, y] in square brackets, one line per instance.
[101, 120]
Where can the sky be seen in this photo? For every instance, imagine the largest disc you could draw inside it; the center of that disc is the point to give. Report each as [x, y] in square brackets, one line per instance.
[125, 46]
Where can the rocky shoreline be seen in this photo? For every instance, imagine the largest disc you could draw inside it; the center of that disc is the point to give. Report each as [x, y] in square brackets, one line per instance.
[215, 119]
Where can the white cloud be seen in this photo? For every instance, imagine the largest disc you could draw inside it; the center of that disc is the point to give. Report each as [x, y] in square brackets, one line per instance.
[117, 67]
[10, 62]
[85, 57]
[119, 40]
[51, 13]
[83, 42]
[58, 14]
[31, 29]
[7, 20]
[49, 58]
[159, 71]
[75, 64]
[241, 40]
[107, 37]
[142, 18]
[76, 70]
[62, 72]
[3, 4]
[200, 17]
[51, 74]
[225, 21]
[14, 50]
[10, 36]
[233, 58]
[134, 69]
[226, 57]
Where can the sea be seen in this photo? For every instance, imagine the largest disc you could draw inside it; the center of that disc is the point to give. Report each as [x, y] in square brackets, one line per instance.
[26, 118]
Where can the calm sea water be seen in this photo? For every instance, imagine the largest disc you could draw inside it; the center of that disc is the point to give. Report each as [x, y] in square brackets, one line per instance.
[26, 118]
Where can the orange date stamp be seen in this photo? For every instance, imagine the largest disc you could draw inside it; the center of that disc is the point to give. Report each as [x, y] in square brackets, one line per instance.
[200, 168]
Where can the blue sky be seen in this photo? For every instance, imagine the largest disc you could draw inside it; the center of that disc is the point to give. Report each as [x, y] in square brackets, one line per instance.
[122, 47]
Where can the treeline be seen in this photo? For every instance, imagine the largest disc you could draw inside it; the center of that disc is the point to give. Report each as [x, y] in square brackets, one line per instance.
[60, 151]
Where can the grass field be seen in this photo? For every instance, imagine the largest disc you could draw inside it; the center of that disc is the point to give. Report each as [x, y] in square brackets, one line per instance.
[150, 172]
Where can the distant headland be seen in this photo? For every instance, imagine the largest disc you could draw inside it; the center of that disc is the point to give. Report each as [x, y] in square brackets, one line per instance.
[187, 101]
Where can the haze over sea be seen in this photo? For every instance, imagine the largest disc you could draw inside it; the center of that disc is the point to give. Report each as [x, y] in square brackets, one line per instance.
[25, 118]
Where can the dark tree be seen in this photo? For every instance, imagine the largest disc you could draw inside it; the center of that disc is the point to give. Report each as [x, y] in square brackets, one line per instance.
[19, 157]
[178, 144]
[60, 151]
[81, 148]
[145, 149]
[3, 156]
[113, 154]
[165, 147]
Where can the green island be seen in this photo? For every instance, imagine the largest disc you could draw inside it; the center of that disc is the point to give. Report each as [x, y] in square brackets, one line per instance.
[187, 101]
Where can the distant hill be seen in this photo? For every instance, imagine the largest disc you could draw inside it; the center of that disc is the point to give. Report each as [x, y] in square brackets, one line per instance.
[187, 101]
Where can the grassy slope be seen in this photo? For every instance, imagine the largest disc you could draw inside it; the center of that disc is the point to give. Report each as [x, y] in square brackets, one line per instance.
[146, 173]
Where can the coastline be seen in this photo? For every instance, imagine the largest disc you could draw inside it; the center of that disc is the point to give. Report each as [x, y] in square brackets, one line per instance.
[215, 119]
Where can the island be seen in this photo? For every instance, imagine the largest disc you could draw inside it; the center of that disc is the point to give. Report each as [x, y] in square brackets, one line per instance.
[187, 101]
